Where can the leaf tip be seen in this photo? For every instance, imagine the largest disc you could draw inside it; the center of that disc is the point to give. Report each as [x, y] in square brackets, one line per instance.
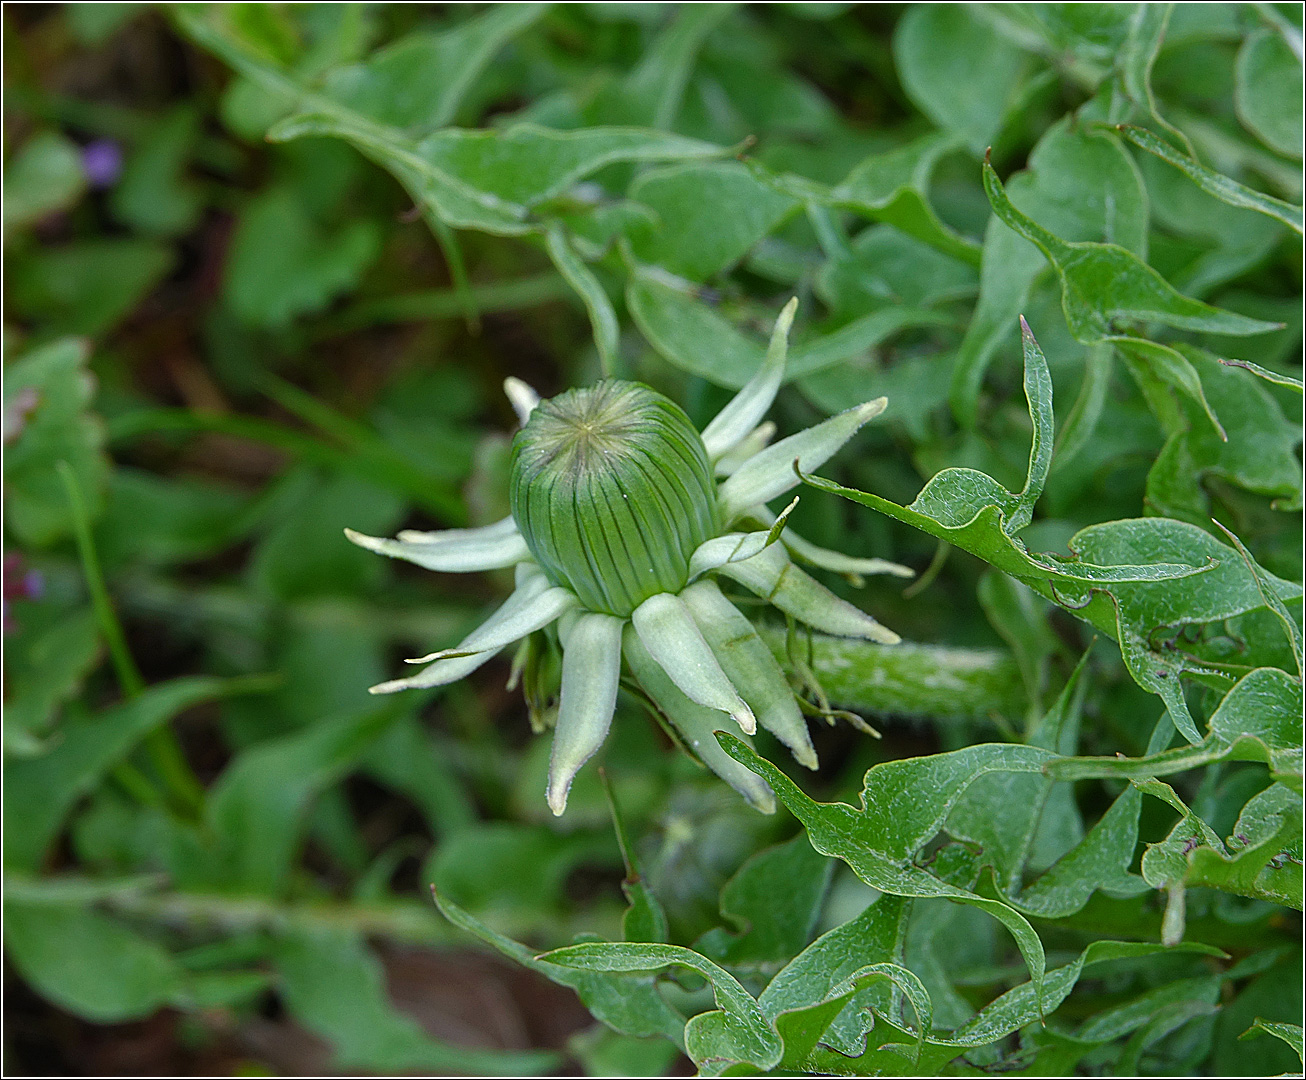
[731, 744]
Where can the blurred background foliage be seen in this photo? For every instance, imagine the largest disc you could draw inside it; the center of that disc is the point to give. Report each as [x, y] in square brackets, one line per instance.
[221, 349]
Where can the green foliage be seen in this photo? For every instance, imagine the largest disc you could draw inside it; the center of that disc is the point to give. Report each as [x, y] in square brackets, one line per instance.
[44, 177]
[267, 269]
[47, 392]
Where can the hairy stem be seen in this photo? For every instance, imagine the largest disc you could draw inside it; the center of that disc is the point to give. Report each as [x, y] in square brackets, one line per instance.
[913, 680]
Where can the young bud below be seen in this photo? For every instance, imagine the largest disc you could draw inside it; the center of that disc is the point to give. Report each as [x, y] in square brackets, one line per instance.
[612, 491]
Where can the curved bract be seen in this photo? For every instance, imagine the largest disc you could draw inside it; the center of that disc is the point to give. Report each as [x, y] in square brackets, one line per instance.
[618, 528]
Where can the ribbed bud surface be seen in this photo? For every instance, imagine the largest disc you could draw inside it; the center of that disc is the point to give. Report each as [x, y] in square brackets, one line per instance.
[612, 491]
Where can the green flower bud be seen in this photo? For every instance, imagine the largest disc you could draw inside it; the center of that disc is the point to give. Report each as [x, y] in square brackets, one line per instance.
[612, 491]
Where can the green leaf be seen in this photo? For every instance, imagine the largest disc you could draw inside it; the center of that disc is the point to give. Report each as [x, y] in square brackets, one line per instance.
[893, 187]
[39, 792]
[1214, 183]
[735, 1031]
[491, 180]
[1084, 40]
[89, 286]
[697, 339]
[1129, 578]
[1147, 32]
[969, 509]
[487, 180]
[335, 986]
[1260, 719]
[44, 667]
[154, 196]
[304, 553]
[962, 73]
[1081, 184]
[1102, 283]
[1013, 1007]
[1100, 861]
[802, 1029]
[628, 1002]
[811, 977]
[1288, 1033]
[1149, 361]
[524, 165]
[46, 394]
[1138, 1013]
[1003, 813]
[1268, 82]
[1264, 373]
[708, 216]
[284, 264]
[883, 266]
[892, 1050]
[418, 82]
[1259, 454]
[1141, 609]
[774, 901]
[1266, 844]
[1265, 585]
[921, 791]
[603, 318]
[257, 808]
[407, 758]
[188, 519]
[513, 874]
[654, 90]
[1038, 395]
[87, 963]
[1019, 615]
[602, 1052]
[44, 177]
[817, 997]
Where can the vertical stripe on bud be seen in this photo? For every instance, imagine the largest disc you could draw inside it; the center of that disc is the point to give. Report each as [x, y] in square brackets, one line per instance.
[612, 491]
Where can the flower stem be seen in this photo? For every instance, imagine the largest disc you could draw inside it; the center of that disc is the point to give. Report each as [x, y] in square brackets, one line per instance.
[164, 750]
[927, 681]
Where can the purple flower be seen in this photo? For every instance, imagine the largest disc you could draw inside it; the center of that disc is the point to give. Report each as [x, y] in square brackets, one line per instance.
[102, 162]
[19, 584]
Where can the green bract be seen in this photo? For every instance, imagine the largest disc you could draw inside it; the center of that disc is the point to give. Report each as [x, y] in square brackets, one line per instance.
[618, 528]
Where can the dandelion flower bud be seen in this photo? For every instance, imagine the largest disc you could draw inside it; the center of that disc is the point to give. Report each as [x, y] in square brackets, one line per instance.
[612, 490]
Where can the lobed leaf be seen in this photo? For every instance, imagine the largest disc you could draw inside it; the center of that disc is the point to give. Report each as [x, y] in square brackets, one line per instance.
[735, 1031]
[903, 805]
[627, 1001]
[1104, 283]
[1214, 183]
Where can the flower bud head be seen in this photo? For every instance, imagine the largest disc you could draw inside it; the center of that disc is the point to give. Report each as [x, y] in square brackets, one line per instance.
[612, 491]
